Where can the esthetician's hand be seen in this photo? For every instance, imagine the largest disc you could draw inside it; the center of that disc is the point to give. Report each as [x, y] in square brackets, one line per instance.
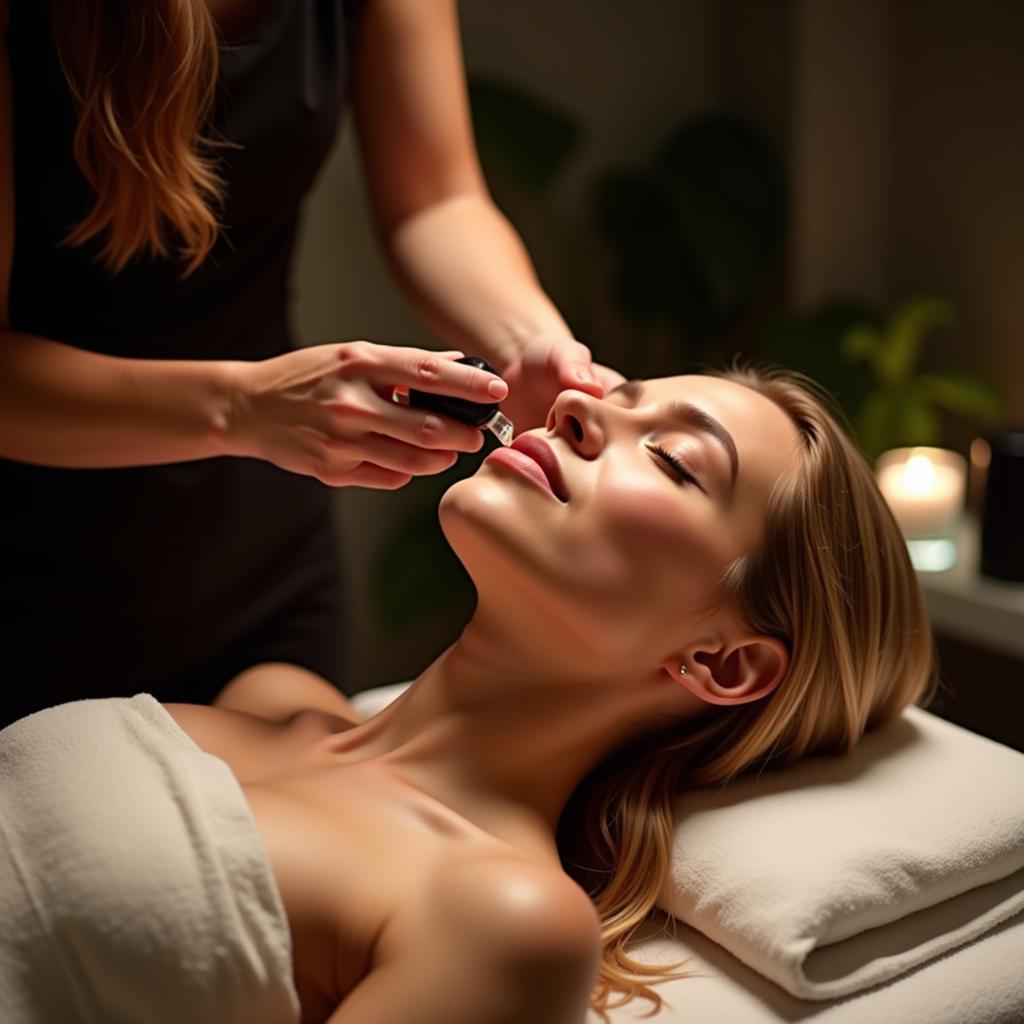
[327, 411]
[546, 365]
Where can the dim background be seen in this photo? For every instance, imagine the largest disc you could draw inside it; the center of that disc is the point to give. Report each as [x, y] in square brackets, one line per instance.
[896, 126]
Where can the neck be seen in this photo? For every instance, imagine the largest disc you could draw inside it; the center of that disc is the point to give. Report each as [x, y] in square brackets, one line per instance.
[502, 733]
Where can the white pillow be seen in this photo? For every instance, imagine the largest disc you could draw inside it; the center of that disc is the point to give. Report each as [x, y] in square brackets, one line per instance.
[838, 873]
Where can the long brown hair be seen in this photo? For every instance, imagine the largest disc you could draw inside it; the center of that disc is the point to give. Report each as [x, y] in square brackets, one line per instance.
[834, 581]
[143, 77]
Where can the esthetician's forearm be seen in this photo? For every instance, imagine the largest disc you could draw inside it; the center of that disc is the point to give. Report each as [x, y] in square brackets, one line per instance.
[467, 273]
[63, 406]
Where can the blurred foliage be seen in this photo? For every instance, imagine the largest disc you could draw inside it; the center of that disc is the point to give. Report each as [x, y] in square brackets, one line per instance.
[520, 137]
[809, 341]
[868, 362]
[698, 233]
[902, 406]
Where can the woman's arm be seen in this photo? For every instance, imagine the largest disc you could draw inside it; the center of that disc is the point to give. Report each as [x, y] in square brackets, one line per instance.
[63, 406]
[462, 264]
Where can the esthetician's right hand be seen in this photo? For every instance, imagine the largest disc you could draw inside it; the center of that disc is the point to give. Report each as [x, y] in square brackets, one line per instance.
[327, 411]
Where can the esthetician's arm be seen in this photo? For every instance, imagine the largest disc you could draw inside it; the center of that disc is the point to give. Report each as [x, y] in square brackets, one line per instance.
[304, 410]
[461, 263]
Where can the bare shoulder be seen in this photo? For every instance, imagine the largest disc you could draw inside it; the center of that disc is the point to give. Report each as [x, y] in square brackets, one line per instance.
[506, 904]
[536, 906]
[490, 939]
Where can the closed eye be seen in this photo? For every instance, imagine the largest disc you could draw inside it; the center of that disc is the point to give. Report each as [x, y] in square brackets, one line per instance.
[674, 462]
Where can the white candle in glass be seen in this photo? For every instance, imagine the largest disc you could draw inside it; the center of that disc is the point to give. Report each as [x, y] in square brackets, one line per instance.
[924, 487]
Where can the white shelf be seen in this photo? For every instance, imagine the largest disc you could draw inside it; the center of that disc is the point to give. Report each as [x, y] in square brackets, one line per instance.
[972, 607]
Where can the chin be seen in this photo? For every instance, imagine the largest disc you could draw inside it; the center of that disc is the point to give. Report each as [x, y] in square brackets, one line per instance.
[477, 509]
[500, 532]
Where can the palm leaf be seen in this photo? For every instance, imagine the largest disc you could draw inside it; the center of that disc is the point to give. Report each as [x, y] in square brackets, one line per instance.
[916, 421]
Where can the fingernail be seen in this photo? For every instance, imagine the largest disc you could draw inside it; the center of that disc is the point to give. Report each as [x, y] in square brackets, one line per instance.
[497, 389]
[584, 374]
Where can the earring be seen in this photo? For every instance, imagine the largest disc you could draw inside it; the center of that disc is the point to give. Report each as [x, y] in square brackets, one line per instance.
[682, 669]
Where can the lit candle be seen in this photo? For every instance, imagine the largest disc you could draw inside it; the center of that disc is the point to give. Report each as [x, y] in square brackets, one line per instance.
[924, 488]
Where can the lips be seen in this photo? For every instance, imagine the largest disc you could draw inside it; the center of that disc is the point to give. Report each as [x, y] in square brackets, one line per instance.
[540, 451]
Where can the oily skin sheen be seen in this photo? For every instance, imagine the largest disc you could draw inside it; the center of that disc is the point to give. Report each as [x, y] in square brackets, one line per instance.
[586, 609]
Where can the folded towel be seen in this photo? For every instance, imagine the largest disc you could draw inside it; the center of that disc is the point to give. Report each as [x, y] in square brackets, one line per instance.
[836, 874]
[134, 885]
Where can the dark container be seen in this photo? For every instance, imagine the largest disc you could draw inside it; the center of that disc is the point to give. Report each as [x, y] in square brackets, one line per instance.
[1002, 517]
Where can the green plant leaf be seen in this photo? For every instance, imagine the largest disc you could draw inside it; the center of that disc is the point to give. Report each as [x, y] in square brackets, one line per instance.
[874, 423]
[896, 418]
[698, 232]
[525, 139]
[962, 392]
[810, 342]
[916, 420]
[904, 334]
[861, 344]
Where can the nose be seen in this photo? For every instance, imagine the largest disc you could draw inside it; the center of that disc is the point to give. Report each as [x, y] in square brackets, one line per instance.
[578, 418]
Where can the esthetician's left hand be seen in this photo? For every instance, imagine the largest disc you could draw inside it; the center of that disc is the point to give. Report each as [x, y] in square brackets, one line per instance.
[546, 365]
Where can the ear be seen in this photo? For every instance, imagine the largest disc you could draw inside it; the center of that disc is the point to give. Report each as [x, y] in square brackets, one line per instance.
[745, 670]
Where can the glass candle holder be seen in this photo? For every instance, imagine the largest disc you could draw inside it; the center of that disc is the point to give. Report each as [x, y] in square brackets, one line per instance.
[925, 488]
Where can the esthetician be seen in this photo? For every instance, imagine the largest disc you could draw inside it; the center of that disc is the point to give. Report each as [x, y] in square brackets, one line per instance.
[168, 454]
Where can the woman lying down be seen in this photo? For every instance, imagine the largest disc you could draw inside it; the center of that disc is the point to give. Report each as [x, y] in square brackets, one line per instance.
[711, 584]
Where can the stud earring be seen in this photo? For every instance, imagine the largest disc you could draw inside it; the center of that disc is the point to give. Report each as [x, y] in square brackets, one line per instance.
[682, 669]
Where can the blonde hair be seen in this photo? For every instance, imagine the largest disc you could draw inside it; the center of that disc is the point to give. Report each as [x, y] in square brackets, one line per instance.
[833, 581]
[143, 78]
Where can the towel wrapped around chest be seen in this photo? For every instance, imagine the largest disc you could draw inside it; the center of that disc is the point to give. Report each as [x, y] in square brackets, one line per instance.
[134, 884]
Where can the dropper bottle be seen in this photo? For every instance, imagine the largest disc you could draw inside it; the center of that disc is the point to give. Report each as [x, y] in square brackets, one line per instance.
[485, 415]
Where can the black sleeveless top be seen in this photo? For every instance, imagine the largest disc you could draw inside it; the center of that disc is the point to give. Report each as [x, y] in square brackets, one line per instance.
[170, 578]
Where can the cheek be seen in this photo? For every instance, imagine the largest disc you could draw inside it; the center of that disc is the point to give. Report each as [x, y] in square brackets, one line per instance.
[614, 571]
[649, 543]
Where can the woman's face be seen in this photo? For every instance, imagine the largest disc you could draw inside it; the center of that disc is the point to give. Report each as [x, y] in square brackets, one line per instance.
[622, 567]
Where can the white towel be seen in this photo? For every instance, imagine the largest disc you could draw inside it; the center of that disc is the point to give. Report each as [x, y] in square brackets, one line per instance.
[134, 885]
[837, 874]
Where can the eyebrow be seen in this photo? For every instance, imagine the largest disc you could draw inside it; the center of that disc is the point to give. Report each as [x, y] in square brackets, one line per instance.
[694, 416]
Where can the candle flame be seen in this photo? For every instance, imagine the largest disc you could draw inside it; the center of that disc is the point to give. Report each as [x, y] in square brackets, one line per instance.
[919, 474]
